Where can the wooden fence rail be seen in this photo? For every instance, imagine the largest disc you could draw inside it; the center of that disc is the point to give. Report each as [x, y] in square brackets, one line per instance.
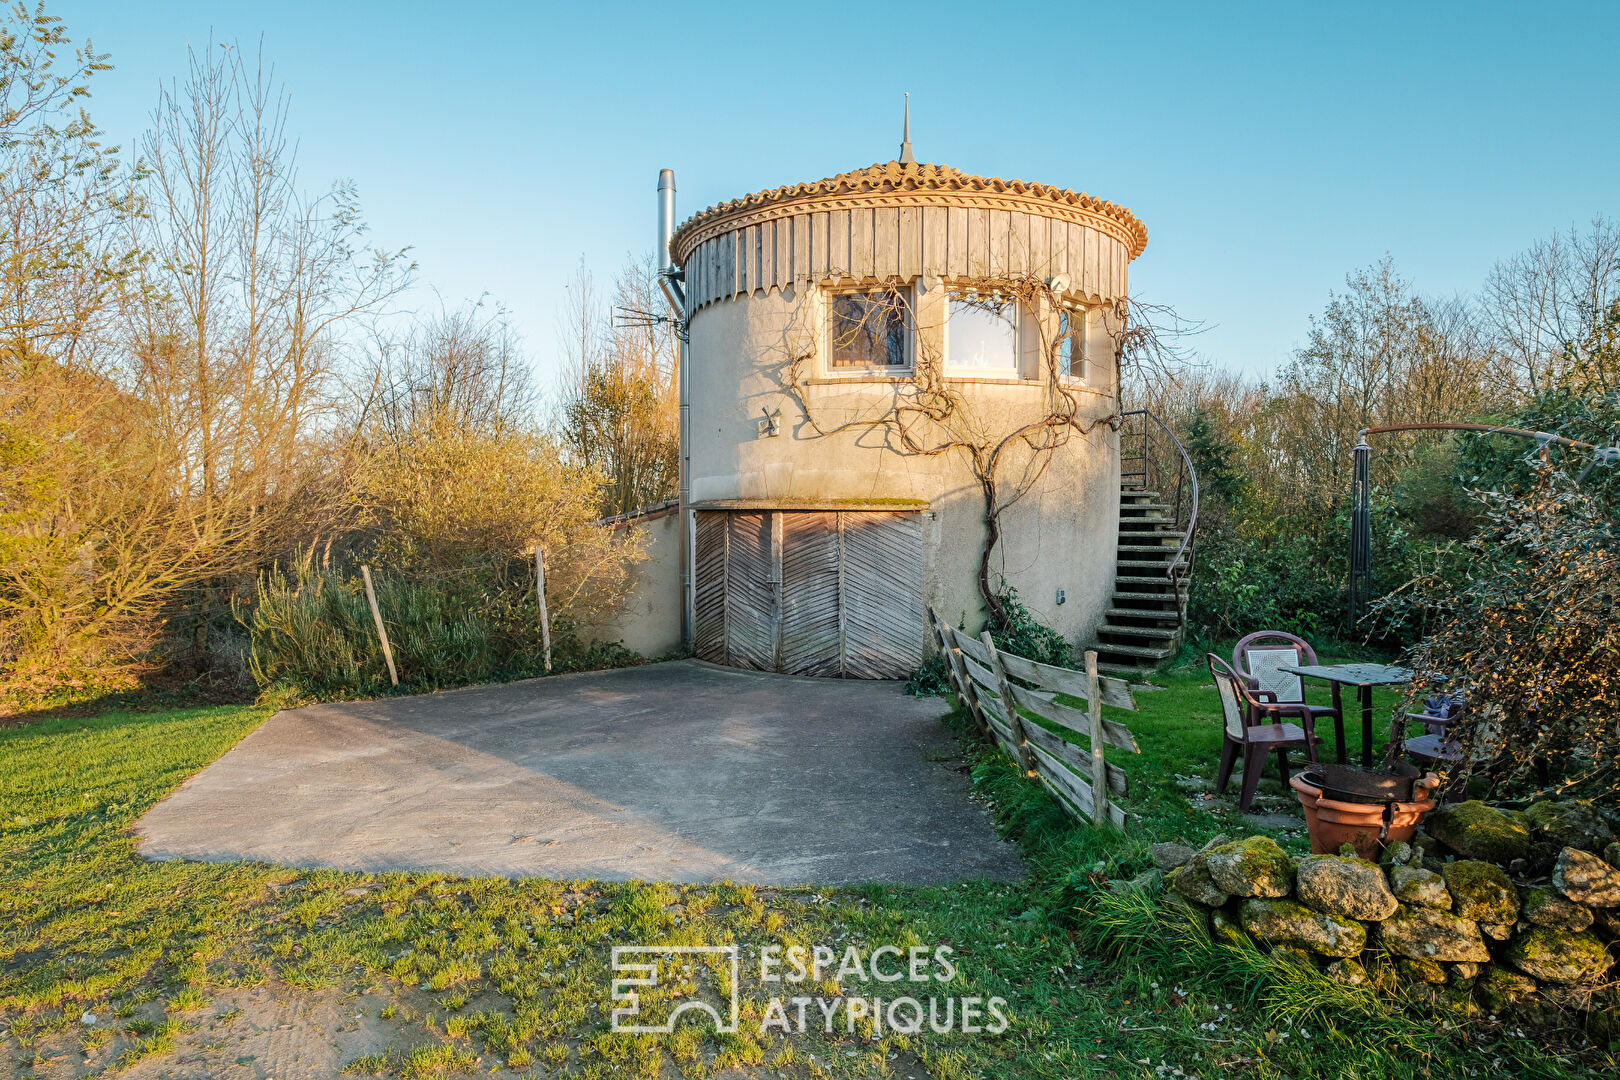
[1016, 705]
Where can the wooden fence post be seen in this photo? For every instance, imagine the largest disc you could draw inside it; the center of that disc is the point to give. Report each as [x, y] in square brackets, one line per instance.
[938, 627]
[1014, 721]
[540, 591]
[1099, 767]
[954, 673]
[376, 617]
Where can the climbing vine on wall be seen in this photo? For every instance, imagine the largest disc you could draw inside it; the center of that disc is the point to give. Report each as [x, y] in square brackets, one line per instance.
[929, 416]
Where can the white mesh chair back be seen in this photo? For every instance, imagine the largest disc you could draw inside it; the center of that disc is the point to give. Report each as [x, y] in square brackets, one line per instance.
[1265, 667]
[1231, 707]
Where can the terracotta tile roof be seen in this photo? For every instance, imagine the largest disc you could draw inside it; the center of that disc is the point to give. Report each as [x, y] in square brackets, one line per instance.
[892, 176]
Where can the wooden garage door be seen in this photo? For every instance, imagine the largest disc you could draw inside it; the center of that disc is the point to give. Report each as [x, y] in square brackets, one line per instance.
[810, 592]
[882, 594]
[750, 593]
[709, 588]
[811, 626]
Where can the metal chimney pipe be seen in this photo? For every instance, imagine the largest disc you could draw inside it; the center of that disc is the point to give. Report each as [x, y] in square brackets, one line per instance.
[666, 214]
[667, 270]
[669, 281]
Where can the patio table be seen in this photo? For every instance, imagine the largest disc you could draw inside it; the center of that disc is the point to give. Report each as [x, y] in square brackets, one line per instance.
[1362, 676]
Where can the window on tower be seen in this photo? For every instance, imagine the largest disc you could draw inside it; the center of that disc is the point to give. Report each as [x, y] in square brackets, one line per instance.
[870, 331]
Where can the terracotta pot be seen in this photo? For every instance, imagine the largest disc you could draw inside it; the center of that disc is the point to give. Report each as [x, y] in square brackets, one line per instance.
[1332, 823]
[1359, 784]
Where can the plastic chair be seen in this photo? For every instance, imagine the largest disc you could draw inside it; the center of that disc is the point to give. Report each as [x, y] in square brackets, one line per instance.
[1260, 657]
[1252, 726]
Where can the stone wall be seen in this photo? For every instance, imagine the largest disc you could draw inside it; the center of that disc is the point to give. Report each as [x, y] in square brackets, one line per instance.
[1485, 911]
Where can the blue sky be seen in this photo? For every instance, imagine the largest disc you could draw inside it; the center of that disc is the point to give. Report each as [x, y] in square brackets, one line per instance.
[1270, 148]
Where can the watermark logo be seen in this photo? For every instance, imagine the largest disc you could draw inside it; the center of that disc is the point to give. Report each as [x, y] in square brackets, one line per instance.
[685, 966]
[704, 979]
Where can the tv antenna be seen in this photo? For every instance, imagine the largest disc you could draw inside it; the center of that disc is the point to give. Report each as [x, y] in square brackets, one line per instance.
[624, 317]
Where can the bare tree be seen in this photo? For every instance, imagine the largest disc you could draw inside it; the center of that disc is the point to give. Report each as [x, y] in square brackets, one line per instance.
[1453, 373]
[618, 408]
[457, 481]
[173, 419]
[459, 370]
[233, 334]
[1378, 354]
[1548, 303]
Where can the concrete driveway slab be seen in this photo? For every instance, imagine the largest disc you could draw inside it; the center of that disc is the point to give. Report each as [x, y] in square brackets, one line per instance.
[679, 771]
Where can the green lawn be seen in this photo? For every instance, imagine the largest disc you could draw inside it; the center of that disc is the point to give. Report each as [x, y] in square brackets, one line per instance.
[512, 977]
[1179, 730]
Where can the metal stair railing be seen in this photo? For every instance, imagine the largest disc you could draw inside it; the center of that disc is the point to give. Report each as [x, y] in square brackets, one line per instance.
[1162, 464]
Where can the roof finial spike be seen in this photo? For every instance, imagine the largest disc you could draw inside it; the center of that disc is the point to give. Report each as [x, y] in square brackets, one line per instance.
[906, 156]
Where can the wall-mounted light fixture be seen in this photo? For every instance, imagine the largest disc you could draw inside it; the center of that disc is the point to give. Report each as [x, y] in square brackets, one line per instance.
[770, 424]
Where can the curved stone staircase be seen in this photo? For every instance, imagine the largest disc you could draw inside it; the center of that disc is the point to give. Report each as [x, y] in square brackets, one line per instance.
[1143, 624]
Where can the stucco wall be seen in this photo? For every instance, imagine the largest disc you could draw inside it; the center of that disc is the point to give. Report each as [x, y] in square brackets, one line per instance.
[650, 622]
[1060, 535]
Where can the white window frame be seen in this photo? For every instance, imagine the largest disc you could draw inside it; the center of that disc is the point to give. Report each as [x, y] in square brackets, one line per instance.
[1080, 344]
[1020, 318]
[898, 371]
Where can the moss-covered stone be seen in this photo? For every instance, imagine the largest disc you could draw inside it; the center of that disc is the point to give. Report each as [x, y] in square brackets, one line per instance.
[1419, 887]
[1293, 954]
[1546, 906]
[1481, 892]
[1175, 902]
[1569, 823]
[1353, 888]
[1225, 930]
[1348, 971]
[1571, 997]
[1466, 970]
[1557, 956]
[1476, 831]
[1169, 856]
[1284, 922]
[1253, 866]
[1496, 931]
[1430, 934]
[1399, 853]
[1458, 999]
[1148, 881]
[1586, 879]
[1191, 880]
[1420, 971]
[1500, 989]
